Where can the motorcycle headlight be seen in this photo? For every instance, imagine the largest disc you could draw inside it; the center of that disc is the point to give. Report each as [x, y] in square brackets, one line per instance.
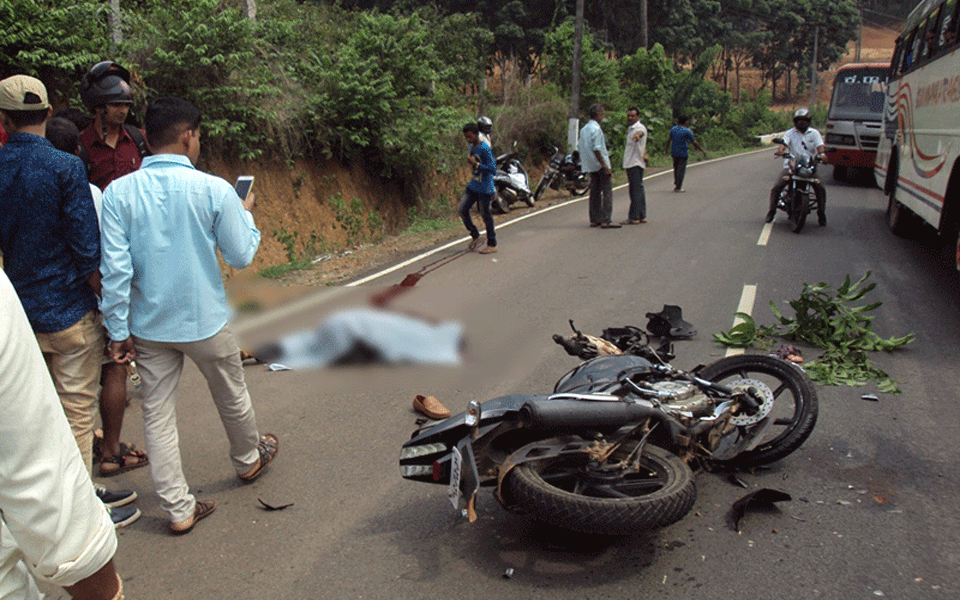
[805, 171]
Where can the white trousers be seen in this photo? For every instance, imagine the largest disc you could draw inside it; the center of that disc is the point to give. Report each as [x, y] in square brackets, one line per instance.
[160, 365]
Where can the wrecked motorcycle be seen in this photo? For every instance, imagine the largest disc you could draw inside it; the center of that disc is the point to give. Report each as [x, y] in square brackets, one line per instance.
[610, 450]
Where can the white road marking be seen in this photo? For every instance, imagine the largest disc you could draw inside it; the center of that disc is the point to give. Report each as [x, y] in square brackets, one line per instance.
[765, 234]
[747, 298]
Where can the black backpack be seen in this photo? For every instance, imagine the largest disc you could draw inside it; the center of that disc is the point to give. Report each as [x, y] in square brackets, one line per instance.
[138, 139]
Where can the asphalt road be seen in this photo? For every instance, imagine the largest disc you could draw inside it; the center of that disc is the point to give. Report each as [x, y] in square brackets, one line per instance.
[874, 510]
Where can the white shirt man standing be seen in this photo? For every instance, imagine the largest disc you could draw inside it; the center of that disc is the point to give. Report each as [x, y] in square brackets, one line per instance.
[634, 162]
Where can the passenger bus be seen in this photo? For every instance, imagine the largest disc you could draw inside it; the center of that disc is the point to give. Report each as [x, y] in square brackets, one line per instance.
[916, 162]
[855, 118]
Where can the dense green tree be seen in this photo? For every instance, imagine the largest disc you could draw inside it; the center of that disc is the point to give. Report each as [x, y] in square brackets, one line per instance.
[53, 41]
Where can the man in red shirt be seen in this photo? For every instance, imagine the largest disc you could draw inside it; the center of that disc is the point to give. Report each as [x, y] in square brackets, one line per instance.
[114, 149]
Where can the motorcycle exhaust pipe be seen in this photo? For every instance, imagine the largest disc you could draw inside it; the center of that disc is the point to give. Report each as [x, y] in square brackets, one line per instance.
[578, 414]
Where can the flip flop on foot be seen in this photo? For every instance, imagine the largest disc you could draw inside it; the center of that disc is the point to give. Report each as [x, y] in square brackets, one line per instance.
[268, 447]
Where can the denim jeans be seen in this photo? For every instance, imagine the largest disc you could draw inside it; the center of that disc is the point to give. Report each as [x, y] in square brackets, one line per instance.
[601, 197]
[679, 171]
[470, 198]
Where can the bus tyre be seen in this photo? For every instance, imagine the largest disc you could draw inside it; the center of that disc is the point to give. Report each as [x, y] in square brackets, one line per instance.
[839, 173]
[897, 216]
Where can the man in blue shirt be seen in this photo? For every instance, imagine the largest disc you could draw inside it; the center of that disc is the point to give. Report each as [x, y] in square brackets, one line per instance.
[163, 298]
[678, 146]
[51, 251]
[595, 159]
[479, 190]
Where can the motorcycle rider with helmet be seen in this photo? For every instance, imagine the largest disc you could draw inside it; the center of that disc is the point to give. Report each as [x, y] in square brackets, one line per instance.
[114, 148]
[802, 140]
[485, 124]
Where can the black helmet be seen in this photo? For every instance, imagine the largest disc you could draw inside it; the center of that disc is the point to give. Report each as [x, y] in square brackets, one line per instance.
[106, 83]
[485, 124]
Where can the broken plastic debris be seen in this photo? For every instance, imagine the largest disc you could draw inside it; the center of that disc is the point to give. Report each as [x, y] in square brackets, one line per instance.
[272, 507]
[278, 367]
[870, 397]
[762, 499]
[508, 573]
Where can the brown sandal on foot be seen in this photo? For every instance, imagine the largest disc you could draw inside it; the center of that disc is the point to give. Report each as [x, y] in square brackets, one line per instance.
[204, 509]
[130, 458]
[268, 447]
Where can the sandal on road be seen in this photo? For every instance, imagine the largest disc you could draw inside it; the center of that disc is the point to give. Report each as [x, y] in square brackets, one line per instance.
[268, 447]
[130, 458]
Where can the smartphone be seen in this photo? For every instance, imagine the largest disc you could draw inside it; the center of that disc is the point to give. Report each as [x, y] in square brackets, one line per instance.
[243, 185]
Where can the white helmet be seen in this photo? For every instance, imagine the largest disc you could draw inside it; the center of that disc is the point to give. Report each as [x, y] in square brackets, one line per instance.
[802, 114]
[485, 124]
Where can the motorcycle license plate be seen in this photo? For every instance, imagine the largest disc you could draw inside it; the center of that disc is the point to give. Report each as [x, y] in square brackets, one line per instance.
[456, 470]
[464, 478]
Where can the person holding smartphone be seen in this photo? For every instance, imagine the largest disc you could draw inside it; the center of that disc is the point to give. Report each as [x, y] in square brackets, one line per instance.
[183, 218]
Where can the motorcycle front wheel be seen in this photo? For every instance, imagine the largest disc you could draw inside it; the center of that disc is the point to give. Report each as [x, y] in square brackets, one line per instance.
[794, 397]
[541, 187]
[572, 492]
[798, 212]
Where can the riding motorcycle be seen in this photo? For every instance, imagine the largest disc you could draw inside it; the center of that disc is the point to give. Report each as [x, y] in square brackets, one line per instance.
[563, 171]
[511, 183]
[799, 197]
[611, 450]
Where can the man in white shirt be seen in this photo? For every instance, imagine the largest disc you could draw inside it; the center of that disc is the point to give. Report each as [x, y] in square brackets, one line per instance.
[802, 140]
[163, 298]
[634, 162]
[52, 524]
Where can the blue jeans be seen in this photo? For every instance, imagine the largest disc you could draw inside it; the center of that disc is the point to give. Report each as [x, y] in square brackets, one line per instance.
[638, 197]
[470, 198]
[679, 171]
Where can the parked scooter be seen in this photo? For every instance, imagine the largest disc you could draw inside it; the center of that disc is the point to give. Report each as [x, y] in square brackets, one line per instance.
[609, 451]
[511, 183]
[799, 197]
[563, 172]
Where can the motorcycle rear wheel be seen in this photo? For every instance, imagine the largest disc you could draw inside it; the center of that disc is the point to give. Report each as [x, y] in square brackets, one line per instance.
[795, 404]
[499, 206]
[566, 492]
[579, 189]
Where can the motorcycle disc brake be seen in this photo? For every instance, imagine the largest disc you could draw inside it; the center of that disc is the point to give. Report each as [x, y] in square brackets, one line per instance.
[766, 401]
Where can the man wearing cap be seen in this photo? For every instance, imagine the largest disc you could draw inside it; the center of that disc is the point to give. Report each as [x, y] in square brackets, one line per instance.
[51, 253]
[112, 149]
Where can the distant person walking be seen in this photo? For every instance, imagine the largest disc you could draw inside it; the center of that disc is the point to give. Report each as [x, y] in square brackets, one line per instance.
[634, 162]
[678, 147]
[479, 190]
[164, 299]
[595, 160]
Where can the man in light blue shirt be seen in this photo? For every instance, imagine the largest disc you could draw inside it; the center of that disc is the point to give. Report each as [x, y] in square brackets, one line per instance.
[163, 297]
[595, 159]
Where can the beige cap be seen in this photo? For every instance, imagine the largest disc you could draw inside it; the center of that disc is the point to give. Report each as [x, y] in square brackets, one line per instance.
[22, 92]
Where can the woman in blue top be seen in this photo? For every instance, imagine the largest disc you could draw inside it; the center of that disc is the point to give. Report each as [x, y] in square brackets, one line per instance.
[479, 190]
[677, 146]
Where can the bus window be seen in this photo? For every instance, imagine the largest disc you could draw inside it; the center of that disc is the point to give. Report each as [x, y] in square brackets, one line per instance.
[951, 20]
[910, 49]
[943, 27]
[895, 63]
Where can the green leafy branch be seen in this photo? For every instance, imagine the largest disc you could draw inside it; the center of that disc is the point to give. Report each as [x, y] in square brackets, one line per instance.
[827, 319]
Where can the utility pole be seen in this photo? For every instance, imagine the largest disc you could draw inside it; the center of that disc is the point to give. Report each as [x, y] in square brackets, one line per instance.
[573, 126]
[859, 36]
[643, 25]
[813, 67]
[113, 20]
[250, 9]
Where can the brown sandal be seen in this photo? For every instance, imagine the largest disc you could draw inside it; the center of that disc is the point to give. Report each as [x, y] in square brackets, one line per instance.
[268, 447]
[130, 458]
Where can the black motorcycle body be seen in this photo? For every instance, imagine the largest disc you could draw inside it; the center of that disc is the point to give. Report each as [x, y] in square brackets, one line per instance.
[563, 172]
[799, 197]
[609, 451]
[511, 183]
